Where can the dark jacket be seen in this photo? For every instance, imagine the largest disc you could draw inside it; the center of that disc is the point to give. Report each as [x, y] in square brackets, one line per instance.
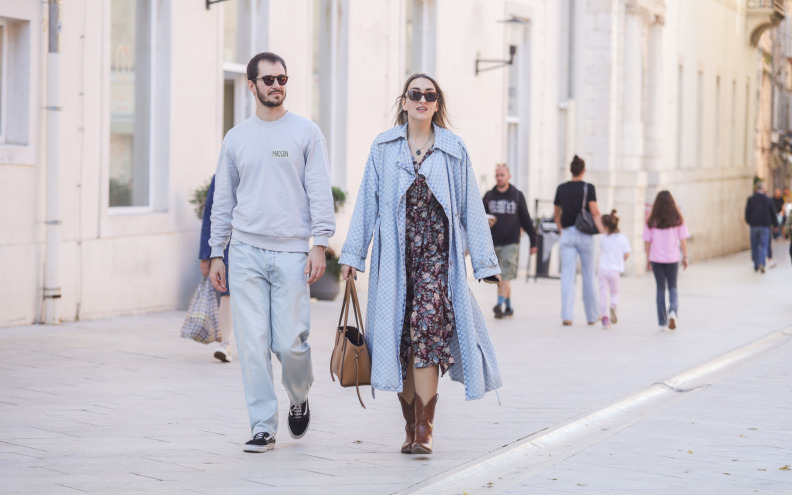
[205, 252]
[511, 210]
[760, 211]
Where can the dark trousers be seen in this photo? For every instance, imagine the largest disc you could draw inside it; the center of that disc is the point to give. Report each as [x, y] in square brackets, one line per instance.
[760, 239]
[666, 276]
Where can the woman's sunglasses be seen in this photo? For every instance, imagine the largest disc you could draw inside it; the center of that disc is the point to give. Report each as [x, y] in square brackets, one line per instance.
[282, 80]
[416, 95]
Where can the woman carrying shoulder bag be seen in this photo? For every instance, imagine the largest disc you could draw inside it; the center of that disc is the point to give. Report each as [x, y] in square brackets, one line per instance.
[420, 202]
[576, 212]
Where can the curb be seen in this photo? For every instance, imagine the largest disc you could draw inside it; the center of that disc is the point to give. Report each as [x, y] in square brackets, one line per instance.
[509, 465]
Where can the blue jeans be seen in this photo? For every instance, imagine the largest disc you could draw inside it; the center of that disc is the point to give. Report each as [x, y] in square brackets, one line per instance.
[760, 239]
[271, 312]
[573, 244]
[666, 276]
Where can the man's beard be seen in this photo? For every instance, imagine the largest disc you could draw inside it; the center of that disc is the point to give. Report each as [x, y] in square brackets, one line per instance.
[270, 103]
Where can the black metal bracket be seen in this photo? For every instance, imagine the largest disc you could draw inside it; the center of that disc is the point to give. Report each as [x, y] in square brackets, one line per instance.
[499, 63]
[210, 2]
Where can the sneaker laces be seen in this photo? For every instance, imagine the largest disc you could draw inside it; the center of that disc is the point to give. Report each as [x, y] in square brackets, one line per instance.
[296, 411]
[260, 435]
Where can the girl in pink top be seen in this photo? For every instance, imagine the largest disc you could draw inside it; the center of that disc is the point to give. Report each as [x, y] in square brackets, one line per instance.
[664, 234]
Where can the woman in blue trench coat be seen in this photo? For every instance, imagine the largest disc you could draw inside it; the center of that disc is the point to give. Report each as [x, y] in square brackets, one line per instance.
[420, 205]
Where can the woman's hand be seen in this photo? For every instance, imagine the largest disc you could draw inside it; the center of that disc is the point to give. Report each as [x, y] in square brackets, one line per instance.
[347, 271]
[684, 263]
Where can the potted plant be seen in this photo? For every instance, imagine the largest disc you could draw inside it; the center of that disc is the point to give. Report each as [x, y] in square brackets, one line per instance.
[328, 287]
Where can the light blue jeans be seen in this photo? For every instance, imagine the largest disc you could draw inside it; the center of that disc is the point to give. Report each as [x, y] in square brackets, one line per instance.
[573, 244]
[271, 311]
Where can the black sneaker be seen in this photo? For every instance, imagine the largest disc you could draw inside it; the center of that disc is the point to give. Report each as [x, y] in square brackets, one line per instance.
[498, 311]
[299, 419]
[262, 442]
[508, 313]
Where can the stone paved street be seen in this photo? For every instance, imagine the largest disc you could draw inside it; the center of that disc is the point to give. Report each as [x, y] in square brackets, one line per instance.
[124, 405]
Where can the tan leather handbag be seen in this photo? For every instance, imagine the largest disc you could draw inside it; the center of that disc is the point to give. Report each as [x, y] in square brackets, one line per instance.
[351, 359]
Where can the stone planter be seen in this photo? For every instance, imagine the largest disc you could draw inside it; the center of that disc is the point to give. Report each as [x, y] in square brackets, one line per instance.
[326, 288]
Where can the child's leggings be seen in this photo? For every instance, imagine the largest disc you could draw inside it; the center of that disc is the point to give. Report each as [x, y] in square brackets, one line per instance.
[608, 279]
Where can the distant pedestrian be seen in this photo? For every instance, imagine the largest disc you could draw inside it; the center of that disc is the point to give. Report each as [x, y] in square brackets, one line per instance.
[272, 195]
[418, 205]
[568, 203]
[614, 251]
[788, 233]
[760, 214]
[507, 204]
[223, 351]
[665, 234]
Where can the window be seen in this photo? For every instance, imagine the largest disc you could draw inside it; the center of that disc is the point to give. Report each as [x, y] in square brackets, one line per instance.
[419, 36]
[238, 48]
[699, 117]
[716, 150]
[733, 124]
[14, 81]
[330, 76]
[130, 102]
[680, 114]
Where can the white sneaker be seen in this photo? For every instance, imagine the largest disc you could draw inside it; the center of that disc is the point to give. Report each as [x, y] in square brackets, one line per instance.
[672, 318]
[663, 328]
[223, 354]
[771, 264]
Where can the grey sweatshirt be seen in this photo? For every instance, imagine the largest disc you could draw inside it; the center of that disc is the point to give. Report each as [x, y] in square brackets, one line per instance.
[273, 186]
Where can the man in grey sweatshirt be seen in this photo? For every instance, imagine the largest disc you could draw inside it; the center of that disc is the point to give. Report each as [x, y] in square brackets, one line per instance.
[272, 193]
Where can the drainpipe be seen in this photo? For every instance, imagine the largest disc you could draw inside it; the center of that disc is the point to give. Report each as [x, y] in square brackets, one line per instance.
[52, 291]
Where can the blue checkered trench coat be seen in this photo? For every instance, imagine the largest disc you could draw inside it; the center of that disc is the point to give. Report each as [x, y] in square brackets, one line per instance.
[380, 217]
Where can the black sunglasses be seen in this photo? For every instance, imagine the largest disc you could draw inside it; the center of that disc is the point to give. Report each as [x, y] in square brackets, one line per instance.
[416, 95]
[270, 80]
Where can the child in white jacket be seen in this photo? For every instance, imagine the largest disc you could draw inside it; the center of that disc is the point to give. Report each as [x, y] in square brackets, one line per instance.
[614, 249]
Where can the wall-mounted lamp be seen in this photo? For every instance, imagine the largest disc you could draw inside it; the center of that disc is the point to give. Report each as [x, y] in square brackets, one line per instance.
[499, 63]
[210, 2]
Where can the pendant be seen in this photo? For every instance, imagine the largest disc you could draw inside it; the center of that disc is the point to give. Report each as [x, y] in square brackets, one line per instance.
[417, 152]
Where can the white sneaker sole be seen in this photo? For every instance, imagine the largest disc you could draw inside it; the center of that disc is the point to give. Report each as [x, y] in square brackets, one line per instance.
[258, 448]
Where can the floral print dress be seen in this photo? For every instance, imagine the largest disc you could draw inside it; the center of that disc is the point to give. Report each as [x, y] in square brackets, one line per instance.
[429, 315]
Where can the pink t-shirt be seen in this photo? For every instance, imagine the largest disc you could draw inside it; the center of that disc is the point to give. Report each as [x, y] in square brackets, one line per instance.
[664, 247]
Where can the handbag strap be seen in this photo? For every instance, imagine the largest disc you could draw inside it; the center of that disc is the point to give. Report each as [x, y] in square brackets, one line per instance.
[585, 195]
[340, 331]
[356, 304]
[357, 381]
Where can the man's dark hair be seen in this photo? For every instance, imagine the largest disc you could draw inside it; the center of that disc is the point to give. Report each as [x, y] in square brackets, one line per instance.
[577, 166]
[252, 67]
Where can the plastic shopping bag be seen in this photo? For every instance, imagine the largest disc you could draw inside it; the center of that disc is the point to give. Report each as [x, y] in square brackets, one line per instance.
[202, 323]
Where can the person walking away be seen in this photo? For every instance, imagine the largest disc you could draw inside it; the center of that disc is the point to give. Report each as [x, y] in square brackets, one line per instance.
[761, 216]
[272, 193]
[420, 203]
[223, 351]
[507, 204]
[614, 251]
[568, 203]
[664, 235]
[778, 204]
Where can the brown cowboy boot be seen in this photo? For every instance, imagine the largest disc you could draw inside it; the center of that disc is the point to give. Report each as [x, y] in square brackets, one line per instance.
[424, 422]
[409, 416]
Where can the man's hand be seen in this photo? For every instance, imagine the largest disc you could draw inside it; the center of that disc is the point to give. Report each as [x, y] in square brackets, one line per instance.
[534, 249]
[348, 271]
[205, 268]
[217, 275]
[684, 263]
[316, 264]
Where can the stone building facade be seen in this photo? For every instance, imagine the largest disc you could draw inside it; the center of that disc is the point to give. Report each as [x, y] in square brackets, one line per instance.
[94, 190]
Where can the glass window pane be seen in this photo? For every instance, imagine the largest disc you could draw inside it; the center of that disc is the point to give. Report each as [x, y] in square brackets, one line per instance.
[230, 32]
[129, 103]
